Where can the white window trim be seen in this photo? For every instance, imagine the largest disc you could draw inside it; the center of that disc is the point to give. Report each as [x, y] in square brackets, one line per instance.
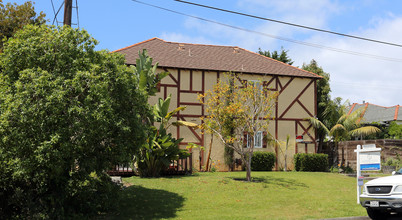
[257, 83]
[255, 141]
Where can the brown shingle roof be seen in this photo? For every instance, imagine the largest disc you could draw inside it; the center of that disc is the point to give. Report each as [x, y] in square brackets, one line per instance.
[209, 57]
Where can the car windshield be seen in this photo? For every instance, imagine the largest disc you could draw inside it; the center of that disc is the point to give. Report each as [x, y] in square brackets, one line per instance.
[399, 172]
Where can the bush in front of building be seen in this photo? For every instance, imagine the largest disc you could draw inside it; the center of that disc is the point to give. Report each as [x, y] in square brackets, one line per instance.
[262, 161]
[311, 162]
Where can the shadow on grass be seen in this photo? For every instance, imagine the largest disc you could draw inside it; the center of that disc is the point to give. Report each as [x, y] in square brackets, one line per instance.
[138, 202]
[283, 182]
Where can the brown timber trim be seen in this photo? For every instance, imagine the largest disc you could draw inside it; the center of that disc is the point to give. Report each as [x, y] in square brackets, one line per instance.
[269, 82]
[305, 130]
[178, 100]
[315, 98]
[296, 149]
[242, 72]
[170, 74]
[188, 91]
[190, 115]
[276, 123]
[194, 133]
[168, 85]
[292, 119]
[315, 114]
[279, 83]
[190, 103]
[304, 107]
[286, 85]
[296, 99]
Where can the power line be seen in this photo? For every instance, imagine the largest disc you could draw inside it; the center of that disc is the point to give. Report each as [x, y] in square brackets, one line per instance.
[57, 13]
[291, 24]
[78, 18]
[277, 37]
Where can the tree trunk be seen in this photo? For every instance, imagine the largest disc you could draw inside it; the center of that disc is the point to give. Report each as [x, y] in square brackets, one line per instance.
[209, 152]
[248, 167]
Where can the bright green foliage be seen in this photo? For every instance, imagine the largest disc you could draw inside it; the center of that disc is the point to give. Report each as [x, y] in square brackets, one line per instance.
[395, 131]
[262, 161]
[161, 148]
[280, 56]
[13, 17]
[311, 162]
[347, 126]
[148, 78]
[67, 114]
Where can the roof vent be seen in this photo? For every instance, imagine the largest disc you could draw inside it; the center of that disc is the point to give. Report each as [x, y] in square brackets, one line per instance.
[236, 50]
[181, 47]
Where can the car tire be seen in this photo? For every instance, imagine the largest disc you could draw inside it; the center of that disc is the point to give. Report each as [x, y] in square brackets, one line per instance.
[376, 214]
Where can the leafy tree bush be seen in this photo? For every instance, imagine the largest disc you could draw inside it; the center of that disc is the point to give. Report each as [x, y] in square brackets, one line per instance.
[311, 162]
[395, 131]
[67, 114]
[262, 161]
[13, 17]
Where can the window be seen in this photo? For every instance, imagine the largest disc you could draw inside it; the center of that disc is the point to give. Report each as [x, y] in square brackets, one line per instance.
[257, 83]
[257, 140]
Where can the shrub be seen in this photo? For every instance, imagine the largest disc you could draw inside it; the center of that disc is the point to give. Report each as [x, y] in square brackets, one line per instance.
[67, 114]
[311, 162]
[262, 161]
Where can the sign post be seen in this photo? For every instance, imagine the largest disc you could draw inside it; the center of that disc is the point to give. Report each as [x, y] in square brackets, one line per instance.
[368, 158]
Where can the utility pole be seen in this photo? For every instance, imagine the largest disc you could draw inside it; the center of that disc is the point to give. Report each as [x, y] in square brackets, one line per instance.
[68, 7]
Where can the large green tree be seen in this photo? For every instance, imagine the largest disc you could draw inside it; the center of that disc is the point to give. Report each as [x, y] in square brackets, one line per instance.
[280, 56]
[13, 17]
[67, 114]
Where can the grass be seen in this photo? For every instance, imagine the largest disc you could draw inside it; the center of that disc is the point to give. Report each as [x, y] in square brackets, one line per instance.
[273, 195]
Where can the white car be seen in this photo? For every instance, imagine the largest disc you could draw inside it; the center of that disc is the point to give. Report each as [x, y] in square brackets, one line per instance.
[383, 195]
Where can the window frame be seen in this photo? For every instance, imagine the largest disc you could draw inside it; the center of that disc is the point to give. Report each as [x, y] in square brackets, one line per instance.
[261, 133]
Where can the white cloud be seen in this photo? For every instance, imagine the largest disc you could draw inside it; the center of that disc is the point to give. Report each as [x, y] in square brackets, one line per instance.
[360, 78]
[353, 77]
[178, 37]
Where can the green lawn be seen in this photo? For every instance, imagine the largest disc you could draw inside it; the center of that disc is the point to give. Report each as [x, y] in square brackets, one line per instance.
[275, 195]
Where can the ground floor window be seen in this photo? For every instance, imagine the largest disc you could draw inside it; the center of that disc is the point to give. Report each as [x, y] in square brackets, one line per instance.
[257, 140]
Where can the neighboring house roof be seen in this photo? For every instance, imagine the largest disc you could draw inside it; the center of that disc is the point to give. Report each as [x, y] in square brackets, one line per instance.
[210, 57]
[376, 113]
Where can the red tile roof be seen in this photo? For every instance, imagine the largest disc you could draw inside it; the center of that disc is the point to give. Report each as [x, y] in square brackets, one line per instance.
[210, 57]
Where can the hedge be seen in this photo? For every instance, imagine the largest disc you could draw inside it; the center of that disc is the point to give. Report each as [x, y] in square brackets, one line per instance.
[262, 161]
[311, 162]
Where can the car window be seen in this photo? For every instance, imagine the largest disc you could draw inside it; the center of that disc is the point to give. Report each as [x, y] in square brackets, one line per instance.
[399, 172]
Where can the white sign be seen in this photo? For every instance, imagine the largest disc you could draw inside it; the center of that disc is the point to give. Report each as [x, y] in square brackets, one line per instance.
[368, 158]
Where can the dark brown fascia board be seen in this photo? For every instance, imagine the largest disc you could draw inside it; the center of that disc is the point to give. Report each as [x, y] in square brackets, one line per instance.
[222, 71]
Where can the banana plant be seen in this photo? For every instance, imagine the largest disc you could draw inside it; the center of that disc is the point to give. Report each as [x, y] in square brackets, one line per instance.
[161, 148]
[146, 73]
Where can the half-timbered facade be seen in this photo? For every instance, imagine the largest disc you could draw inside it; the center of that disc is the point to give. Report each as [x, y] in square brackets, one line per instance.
[195, 68]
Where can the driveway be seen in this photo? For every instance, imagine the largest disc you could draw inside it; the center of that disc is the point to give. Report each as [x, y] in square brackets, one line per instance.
[392, 217]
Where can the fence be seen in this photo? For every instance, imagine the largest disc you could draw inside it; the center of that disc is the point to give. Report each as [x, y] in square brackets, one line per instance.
[177, 167]
[347, 156]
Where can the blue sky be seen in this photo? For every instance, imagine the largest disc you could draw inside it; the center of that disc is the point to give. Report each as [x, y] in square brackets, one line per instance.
[120, 23]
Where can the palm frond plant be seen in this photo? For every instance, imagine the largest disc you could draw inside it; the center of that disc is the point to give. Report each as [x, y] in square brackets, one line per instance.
[347, 127]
